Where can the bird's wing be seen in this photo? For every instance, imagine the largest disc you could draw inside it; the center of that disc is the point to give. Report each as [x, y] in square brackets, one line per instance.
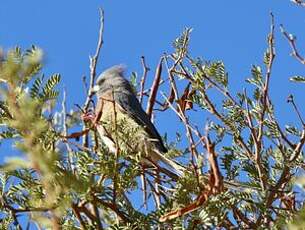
[130, 104]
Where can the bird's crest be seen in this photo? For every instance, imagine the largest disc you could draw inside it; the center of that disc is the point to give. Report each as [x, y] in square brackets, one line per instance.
[114, 70]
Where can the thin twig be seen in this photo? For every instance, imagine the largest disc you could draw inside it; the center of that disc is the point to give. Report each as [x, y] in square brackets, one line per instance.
[193, 150]
[222, 90]
[241, 218]
[85, 85]
[291, 100]
[98, 220]
[143, 79]
[157, 181]
[80, 147]
[188, 128]
[117, 147]
[79, 217]
[94, 60]
[65, 130]
[258, 144]
[250, 121]
[113, 207]
[283, 136]
[93, 64]
[89, 211]
[147, 91]
[292, 42]
[298, 148]
[144, 187]
[156, 193]
[284, 178]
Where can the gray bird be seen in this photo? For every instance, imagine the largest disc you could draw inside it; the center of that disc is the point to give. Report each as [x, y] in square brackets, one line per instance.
[118, 110]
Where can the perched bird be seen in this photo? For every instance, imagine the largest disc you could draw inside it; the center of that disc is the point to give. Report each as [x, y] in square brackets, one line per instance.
[119, 110]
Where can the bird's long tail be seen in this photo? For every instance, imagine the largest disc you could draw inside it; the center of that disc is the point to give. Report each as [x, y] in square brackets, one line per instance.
[178, 169]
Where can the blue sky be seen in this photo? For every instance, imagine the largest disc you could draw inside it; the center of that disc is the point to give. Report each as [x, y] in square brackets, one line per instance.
[232, 31]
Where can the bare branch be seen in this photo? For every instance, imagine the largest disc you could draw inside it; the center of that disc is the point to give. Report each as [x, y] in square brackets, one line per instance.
[298, 148]
[94, 60]
[111, 206]
[292, 42]
[144, 187]
[65, 129]
[258, 143]
[143, 79]
[93, 64]
[291, 100]
[79, 217]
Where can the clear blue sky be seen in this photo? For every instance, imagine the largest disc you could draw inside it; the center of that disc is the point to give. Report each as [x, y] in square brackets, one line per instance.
[232, 31]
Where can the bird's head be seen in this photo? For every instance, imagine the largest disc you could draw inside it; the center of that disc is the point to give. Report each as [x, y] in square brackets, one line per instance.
[110, 79]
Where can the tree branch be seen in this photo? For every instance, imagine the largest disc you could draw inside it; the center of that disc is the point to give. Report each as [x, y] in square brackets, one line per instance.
[292, 42]
[94, 60]
[143, 79]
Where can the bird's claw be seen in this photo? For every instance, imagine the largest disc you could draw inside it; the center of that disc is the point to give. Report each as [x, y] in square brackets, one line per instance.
[89, 116]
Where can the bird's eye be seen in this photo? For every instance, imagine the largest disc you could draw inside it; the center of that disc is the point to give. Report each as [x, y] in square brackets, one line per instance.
[100, 82]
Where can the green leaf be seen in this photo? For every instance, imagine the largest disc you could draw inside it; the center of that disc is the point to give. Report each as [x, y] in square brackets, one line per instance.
[48, 92]
[217, 71]
[133, 81]
[293, 130]
[181, 43]
[272, 131]
[297, 78]
[257, 78]
[34, 91]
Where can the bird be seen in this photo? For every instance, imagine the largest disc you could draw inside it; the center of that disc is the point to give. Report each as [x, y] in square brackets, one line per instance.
[117, 105]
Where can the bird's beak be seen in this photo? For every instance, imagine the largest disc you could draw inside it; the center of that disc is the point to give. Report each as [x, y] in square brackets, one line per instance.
[95, 88]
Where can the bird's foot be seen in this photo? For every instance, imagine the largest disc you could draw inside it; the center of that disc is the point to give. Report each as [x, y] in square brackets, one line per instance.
[89, 116]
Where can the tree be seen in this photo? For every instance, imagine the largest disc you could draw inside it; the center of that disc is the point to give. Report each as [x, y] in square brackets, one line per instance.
[242, 162]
